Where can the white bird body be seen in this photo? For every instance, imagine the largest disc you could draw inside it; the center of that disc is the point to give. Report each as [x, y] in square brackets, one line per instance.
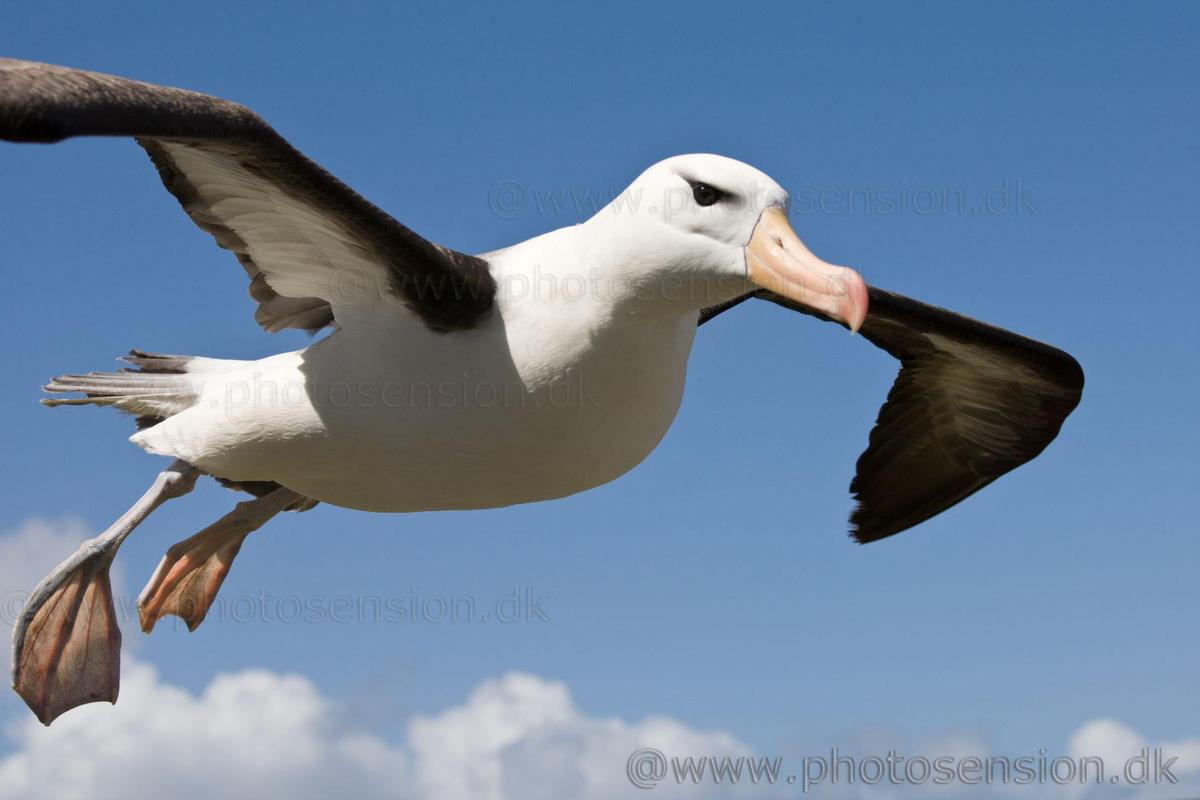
[560, 390]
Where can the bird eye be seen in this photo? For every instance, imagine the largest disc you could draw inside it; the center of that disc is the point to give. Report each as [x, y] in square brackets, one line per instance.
[706, 195]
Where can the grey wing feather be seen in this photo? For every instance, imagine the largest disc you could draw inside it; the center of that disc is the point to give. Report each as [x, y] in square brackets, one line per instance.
[307, 241]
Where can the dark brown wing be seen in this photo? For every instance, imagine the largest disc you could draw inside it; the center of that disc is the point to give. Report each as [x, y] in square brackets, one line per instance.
[312, 247]
[971, 403]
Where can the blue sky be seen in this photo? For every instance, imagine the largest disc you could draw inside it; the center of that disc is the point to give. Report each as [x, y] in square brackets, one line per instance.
[714, 584]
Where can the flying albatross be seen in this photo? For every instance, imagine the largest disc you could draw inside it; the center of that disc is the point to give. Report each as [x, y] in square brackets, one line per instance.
[456, 381]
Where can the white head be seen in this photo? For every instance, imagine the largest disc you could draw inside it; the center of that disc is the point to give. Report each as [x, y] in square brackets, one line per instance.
[697, 230]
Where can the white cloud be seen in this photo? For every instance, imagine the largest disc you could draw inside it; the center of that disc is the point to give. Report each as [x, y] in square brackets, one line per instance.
[251, 734]
[522, 737]
[1106, 739]
[1118, 744]
[256, 733]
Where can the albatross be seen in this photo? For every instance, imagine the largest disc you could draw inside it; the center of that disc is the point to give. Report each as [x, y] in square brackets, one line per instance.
[456, 381]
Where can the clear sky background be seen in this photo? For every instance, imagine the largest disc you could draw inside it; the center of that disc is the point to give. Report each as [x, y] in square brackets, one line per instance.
[1047, 160]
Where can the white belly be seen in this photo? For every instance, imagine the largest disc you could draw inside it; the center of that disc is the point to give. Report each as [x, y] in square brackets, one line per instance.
[446, 421]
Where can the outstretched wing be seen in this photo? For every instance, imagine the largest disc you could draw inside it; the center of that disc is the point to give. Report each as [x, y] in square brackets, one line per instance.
[314, 250]
[971, 403]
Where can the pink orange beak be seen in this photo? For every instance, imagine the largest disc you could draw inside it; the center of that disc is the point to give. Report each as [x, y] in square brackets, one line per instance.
[776, 260]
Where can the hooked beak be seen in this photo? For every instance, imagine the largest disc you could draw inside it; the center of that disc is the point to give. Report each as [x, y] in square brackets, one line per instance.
[776, 260]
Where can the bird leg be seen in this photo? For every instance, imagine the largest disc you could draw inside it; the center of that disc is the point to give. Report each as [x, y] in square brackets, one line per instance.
[190, 575]
[66, 644]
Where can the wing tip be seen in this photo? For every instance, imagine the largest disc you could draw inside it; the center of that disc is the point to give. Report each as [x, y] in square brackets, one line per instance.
[1073, 377]
[864, 531]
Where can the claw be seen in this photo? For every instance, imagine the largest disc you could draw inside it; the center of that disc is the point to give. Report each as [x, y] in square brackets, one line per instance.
[67, 646]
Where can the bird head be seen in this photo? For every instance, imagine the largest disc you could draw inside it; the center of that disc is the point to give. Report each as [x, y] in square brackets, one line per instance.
[696, 230]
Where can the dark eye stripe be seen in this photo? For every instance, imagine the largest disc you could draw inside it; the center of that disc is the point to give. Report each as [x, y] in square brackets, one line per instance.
[706, 195]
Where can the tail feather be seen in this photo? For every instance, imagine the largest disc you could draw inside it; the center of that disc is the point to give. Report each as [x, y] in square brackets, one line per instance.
[156, 388]
[155, 362]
